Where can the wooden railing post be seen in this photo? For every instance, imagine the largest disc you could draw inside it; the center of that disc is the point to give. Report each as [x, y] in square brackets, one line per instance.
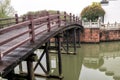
[76, 19]
[59, 21]
[31, 26]
[65, 19]
[73, 18]
[48, 20]
[16, 18]
[23, 18]
[70, 18]
[0, 55]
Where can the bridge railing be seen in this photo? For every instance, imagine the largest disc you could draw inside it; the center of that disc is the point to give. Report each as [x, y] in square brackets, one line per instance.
[32, 28]
[5, 22]
[109, 26]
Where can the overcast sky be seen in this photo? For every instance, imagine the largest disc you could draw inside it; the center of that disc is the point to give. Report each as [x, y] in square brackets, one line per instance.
[73, 6]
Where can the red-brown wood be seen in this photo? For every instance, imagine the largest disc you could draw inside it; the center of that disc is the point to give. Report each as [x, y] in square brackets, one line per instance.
[34, 24]
[16, 18]
[48, 20]
[59, 21]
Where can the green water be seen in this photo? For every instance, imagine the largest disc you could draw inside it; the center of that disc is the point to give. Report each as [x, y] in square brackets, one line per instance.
[88, 61]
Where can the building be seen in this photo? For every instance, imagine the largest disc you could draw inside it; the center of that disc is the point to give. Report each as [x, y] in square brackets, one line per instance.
[111, 8]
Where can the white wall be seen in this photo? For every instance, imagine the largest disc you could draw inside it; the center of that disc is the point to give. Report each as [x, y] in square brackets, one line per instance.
[112, 11]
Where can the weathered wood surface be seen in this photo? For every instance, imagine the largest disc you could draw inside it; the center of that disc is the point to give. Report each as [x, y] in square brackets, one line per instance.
[12, 59]
[19, 41]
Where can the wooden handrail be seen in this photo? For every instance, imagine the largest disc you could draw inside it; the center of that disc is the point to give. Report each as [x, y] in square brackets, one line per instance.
[34, 24]
[4, 30]
[14, 37]
[15, 46]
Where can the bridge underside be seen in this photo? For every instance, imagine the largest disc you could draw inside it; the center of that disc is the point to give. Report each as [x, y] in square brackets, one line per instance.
[64, 37]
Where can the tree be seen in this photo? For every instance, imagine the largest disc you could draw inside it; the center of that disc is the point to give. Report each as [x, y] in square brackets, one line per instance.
[92, 12]
[6, 10]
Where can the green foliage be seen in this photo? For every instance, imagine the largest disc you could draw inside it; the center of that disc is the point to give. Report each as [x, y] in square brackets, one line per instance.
[92, 12]
[43, 13]
[6, 10]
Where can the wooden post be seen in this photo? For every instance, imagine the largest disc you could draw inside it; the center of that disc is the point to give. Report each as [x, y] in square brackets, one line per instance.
[74, 41]
[59, 21]
[10, 75]
[70, 18]
[31, 26]
[47, 57]
[0, 55]
[73, 18]
[23, 18]
[59, 56]
[20, 68]
[48, 20]
[16, 18]
[79, 37]
[30, 70]
[76, 19]
[56, 42]
[65, 18]
[67, 41]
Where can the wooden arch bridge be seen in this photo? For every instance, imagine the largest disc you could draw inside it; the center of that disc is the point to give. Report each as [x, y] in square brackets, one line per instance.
[19, 41]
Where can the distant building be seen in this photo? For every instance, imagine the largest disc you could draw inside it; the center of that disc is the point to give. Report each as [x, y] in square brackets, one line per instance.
[112, 9]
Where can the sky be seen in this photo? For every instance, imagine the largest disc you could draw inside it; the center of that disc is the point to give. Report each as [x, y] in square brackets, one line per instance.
[70, 6]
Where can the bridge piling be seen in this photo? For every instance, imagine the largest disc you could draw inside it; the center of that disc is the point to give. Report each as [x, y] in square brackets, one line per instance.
[30, 69]
[20, 68]
[10, 75]
[67, 41]
[59, 56]
[47, 58]
[78, 37]
[74, 30]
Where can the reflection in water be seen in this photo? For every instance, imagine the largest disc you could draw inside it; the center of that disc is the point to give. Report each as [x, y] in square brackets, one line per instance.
[89, 61]
[104, 56]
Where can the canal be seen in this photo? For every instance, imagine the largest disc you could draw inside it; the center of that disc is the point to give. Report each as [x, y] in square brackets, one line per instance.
[92, 62]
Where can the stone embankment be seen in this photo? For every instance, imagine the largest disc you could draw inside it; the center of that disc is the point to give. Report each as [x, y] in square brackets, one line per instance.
[95, 32]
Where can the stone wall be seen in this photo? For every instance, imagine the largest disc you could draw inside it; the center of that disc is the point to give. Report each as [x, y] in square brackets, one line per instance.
[109, 35]
[90, 35]
[96, 35]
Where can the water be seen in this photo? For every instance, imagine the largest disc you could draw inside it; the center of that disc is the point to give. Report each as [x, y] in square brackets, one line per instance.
[89, 62]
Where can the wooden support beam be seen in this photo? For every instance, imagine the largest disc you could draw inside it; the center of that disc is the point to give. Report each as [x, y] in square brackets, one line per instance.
[47, 57]
[30, 69]
[20, 68]
[74, 41]
[59, 56]
[79, 37]
[49, 48]
[10, 75]
[67, 41]
[38, 62]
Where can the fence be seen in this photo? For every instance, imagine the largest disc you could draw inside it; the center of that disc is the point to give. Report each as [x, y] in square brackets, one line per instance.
[100, 25]
[90, 24]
